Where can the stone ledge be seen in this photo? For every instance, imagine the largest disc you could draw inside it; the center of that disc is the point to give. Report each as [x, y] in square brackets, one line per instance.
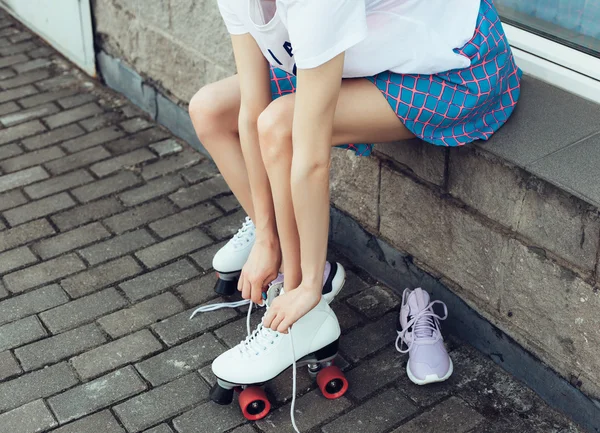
[541, 213]
[554, 135]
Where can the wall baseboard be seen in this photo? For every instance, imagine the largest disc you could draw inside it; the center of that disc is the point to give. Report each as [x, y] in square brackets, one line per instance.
[121, 78]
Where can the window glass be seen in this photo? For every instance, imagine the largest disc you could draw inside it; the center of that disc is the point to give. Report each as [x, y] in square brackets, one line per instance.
[575, 23]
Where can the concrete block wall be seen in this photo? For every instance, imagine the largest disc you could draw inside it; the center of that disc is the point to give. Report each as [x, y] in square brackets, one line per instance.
[180, 45]
[521, 252]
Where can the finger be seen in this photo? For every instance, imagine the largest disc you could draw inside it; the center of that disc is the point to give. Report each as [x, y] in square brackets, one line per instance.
[268, 318]
[240, 284]
[256, 292]
[271, 277]
[271, 314]
[268, 281]
[246, 288]
[265, 285]
[284, 326]
[277, 321]
[257, 288]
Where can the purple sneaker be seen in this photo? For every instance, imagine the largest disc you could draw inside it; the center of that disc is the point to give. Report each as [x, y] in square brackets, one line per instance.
[428, 360]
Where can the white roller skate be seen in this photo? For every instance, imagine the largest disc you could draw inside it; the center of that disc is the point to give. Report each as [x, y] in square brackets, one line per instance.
[230, 259]
[264, 354]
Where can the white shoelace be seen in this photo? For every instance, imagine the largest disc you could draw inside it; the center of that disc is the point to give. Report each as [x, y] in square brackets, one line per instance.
[257, 339]
[242, 237]
[293, 405]
[219, 305]
[425, 323]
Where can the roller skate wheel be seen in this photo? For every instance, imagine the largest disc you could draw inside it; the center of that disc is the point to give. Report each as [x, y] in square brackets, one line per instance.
[332, 382]
[254, 403]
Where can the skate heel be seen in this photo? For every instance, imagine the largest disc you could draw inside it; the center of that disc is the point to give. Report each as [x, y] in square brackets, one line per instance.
[328, 352]
[226, 284]
[220, 394]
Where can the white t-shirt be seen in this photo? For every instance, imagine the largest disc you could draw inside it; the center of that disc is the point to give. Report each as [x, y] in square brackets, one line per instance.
[403, 36]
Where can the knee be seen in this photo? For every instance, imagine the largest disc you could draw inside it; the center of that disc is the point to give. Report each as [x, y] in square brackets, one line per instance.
[275, 132]
[207, 112]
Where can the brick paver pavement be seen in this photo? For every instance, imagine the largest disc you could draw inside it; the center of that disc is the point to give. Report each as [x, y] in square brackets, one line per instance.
[107, 229]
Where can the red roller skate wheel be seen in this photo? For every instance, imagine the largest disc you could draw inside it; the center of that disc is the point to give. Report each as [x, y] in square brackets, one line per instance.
[254, 403]
[332, 382]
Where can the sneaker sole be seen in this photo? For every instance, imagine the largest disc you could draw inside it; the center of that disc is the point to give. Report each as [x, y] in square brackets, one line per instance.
[337, 284]
[431, 378]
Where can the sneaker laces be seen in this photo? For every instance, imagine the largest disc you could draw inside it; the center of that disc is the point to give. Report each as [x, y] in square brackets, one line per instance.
[242, 237]
[425, 324]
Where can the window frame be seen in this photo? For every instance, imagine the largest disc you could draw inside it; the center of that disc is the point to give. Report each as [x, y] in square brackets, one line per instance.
[555, 63]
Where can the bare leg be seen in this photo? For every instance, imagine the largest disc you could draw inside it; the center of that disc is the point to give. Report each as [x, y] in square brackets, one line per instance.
[362, 116]
[276, 148]
[214, 111]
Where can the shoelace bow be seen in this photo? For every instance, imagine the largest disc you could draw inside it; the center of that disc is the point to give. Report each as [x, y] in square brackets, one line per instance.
[425, 323]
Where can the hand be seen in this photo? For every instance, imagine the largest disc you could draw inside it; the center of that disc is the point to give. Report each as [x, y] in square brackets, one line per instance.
[288, 308]
[261, 268]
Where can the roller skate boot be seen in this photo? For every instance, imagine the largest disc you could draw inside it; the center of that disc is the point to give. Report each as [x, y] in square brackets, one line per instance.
[230, 259]
[312, 341]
